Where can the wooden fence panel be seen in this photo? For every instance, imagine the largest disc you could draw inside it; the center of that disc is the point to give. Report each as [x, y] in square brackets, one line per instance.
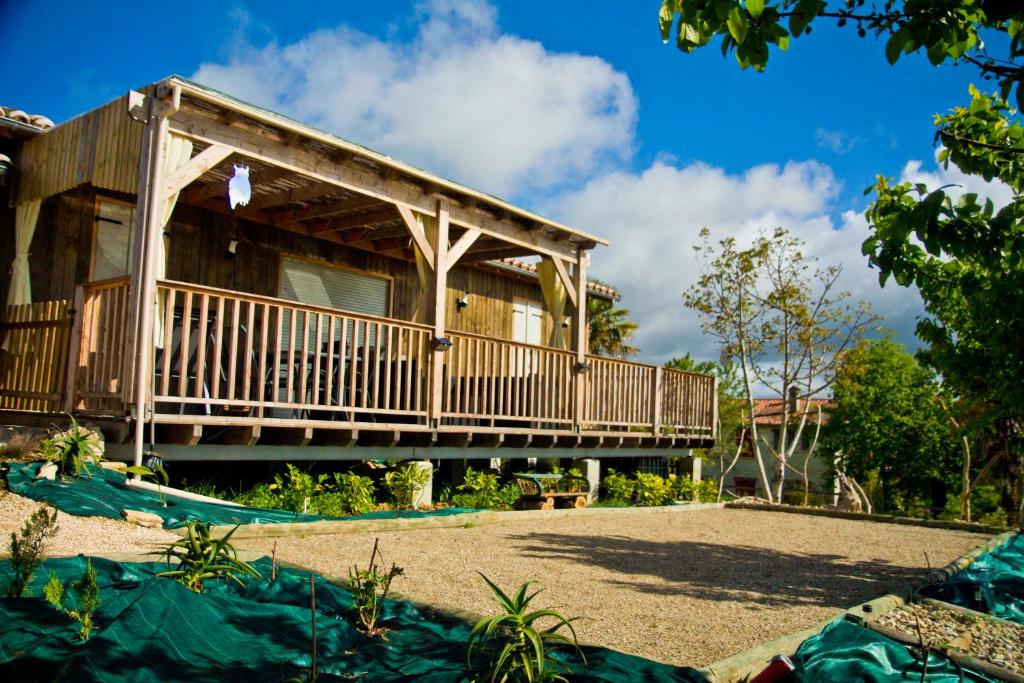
[34, 356]
[102, 366]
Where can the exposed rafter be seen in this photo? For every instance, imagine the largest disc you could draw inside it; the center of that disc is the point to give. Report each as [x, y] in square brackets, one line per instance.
[327, 209]
[358, 220]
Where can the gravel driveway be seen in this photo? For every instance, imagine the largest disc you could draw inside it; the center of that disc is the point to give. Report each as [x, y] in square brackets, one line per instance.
[681, 587]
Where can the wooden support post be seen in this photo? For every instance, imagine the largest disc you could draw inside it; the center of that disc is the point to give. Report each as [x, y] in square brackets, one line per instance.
[439, 290]
[656, 393]
[579, 333]
[150, 212]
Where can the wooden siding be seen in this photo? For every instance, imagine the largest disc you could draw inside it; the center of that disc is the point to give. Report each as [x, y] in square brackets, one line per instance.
[198, 254]
[101, 148]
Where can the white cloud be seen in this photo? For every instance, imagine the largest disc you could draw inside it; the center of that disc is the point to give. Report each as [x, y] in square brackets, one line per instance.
[495, 111]
[653, 218]
[837, 141]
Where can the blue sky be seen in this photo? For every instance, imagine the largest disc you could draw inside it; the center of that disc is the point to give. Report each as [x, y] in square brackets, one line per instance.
[574, 109]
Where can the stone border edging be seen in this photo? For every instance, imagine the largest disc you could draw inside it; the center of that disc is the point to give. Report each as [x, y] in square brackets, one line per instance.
[300, 529]
[753, 660]
[865, 517]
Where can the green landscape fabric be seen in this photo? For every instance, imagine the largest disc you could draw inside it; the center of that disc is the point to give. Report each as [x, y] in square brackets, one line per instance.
[154, 629]
[845, 651]
[993, 583]
[105, 494]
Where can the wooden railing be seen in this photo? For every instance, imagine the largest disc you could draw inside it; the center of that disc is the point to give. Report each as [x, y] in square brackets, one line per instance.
[227, 353]
[223, 353]
[490, 379]
[101, 362]
[33, 359]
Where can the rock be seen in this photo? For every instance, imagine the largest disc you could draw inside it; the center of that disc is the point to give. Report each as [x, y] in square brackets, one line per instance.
[47, 471]
[146, 519]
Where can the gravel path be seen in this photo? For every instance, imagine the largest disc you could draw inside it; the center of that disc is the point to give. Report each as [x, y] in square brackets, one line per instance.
[88, 535]
[687, 588]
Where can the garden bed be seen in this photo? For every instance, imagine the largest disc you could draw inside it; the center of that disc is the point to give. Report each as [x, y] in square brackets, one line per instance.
[152, 628]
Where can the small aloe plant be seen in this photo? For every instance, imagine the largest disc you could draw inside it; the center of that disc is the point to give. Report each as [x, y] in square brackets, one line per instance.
[157, 473]
[202, 557]
[510, 647]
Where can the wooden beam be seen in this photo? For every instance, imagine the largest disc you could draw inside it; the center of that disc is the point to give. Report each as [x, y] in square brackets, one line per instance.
[340, 206]
[567, 282]
[580, 341]
[496, 254]
[462, 246]
[357, 221]
[350, 177]
[439, 287]
[295, 194]
[194, 168]
[416, 230]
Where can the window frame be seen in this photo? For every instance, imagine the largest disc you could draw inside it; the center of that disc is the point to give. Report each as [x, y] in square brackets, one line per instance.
[94, 237]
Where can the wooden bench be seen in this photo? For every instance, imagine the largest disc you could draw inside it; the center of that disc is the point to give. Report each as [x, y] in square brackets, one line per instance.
[541, 491]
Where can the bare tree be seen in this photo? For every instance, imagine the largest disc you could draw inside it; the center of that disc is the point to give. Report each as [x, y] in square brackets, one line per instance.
[784, 322]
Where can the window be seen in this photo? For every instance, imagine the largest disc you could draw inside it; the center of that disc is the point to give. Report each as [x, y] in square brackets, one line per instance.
[527, 317]
[113, 240]
[322, 285]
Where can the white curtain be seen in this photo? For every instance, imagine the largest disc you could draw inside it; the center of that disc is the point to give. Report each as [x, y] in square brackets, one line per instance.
[178, 152]
[20, 291]
[554, 298]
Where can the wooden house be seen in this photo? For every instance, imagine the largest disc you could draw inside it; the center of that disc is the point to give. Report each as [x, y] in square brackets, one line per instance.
[352, 304]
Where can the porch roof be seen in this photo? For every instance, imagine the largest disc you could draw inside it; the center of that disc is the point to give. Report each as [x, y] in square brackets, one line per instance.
[326, 209]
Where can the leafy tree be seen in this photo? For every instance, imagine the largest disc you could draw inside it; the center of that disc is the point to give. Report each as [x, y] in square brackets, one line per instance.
[965, 255]
[610, 329]
[886, 418]
[728, 446]
[785, 324]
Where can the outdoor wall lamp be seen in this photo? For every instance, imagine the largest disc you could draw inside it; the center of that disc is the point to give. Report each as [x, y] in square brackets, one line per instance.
[232, 247]
[5, 169]
[463, 302]
[567, 322]
[583, 367]
[442, 343]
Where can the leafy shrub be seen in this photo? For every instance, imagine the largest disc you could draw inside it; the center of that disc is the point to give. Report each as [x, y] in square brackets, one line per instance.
[356, 492]
[369, 587]
[653, 490]
[296, 488]
[704, 491]
[511, 647]
[87, 595]
[478, 490]
[405, 483]
[508, 495]
[27, 548]
[73, 450]
[201, 558]
[618, 488]
[259, 496]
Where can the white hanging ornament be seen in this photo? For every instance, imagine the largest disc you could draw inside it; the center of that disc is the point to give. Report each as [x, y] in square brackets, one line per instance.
[239, 189]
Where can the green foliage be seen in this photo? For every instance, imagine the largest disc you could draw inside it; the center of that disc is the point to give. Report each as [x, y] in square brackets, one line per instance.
[609, 328]
[886, 418]
[618, 488]
[369, 588]
[653, 490]
[87, 596]
[405, 483]
[202, 558]
[479, 490]
[27, 548]
[296, 488]
[704, 491]
[353, 495]
[510, 646]
[158, 474]
[73, 450]
[259, 496]
[945, 30]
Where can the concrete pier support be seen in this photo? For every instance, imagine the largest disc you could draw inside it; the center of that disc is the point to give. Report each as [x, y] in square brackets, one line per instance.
[426, 494]
[591, 469]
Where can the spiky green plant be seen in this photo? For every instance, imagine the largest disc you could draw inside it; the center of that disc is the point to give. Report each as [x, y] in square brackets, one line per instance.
[510, 647]
[158, 474]
[405, 484]
[87, 594]
[27, 547]
[73, 450]
[202, 557]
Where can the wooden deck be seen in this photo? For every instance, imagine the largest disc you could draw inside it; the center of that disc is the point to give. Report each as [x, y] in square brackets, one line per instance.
[258, 370]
